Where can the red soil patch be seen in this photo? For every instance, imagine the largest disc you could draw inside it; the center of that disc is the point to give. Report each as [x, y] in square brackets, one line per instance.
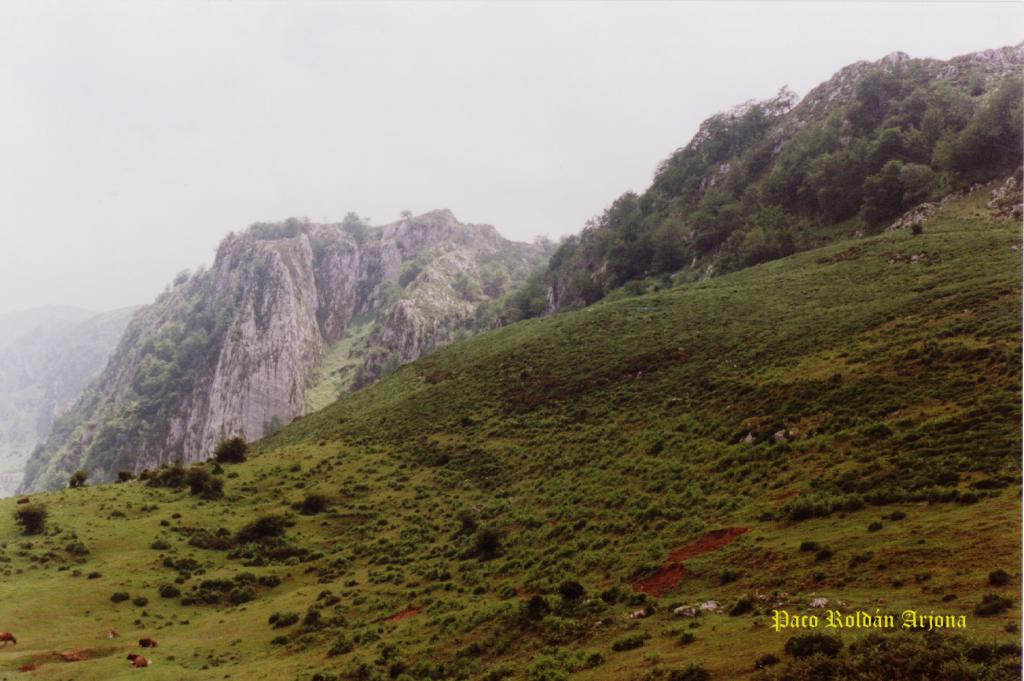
[27, 668]
[76, 655]
[404, 615]
[785, 495]
[673, 570]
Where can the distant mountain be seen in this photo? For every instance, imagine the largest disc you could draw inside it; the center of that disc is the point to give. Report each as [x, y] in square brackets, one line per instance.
[47, 357]
[775, 177]
[290, 316]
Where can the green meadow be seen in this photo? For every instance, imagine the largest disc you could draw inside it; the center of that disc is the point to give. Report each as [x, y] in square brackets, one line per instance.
[500, 508]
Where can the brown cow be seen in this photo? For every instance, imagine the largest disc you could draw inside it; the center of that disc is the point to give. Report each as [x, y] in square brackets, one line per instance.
[6, 637]
[147, 643]
[138, 660]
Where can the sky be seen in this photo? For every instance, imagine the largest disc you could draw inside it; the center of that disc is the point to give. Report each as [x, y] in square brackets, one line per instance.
[135, 136]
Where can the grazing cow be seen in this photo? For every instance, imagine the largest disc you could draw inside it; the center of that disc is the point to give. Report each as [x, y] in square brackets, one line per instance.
[8, 637]
[147, 643]
[111, 633]
[138, 660]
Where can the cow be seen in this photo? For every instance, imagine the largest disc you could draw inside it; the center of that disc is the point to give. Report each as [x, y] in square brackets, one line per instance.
[138, 660]
[8, 637]
[147, 643]
[111, 633]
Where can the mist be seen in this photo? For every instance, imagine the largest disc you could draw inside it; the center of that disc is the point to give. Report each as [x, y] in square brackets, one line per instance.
[136, 136]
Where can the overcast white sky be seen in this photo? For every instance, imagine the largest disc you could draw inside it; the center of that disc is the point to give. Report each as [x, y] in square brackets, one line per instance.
[134, 136]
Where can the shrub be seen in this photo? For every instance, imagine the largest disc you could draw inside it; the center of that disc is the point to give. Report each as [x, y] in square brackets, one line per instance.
[200, 482]
[242, 594]
[571, 591]
[279, 620]
[805, 645]
[766, 661]
[742, 607]
[630, 642]
[140, 601]
[992, 604]
[728, 576]
[231, 450]
[267, 527]
[998, 577]
[160, 545]
[77, 548]
[691, 673]
[537, 607]
[124, 476]
[875, 526]
[487, 544]
[31, 517]
[119, 597]
[169, 591]
[313, 504]
[78, 478]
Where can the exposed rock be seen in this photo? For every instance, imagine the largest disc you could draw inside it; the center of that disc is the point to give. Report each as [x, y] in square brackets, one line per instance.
[237, 349]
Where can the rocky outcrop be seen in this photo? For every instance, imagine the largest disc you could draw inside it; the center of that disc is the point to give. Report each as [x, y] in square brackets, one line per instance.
[237, 349]
[47, 358]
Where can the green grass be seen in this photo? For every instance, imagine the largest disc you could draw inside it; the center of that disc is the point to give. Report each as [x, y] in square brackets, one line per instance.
[341, 363]
[595, 442]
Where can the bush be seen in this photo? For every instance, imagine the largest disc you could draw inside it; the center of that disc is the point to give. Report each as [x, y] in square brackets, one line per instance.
[200, 482]
[169, 591]
[313, 504]
[31, 517]
[78, 478]
[241, 595]
[160, 545]
[630, 642]
[279, 620]
[992, 604]
[487, 544]
[742, 607]
[998, 577]
[267, 527]
[231, 450]
[124, 476]
[119, 597]
[537, 607]
[805, 645]
[691, 673]
[571, 591]
[766, 661]
[140, 601]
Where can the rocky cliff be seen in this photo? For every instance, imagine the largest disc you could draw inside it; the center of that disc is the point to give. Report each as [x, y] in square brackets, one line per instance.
[47, 358]
[288, 316]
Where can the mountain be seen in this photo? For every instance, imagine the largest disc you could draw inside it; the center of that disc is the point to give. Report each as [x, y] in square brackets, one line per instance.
[558, 498]
[289, 316]
[47, 358]
[771, 178]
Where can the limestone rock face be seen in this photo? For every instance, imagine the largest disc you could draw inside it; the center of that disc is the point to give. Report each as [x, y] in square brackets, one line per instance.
[239, 349]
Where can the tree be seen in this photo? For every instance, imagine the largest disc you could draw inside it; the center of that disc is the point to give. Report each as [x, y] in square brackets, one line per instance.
[31, 517]
[78, 478]
[231, 450]
[883, 194]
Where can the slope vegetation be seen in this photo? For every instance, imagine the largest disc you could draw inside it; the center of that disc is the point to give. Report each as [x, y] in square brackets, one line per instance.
[535, 502]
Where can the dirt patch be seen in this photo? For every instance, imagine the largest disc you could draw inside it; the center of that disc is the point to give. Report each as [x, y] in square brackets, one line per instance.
[851, 253]
[76, 655]
[785, 495]
[673, 570]
[404, 615]
[27, 668]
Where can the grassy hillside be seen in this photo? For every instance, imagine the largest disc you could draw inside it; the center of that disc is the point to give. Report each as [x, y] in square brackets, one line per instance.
[850, 415]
